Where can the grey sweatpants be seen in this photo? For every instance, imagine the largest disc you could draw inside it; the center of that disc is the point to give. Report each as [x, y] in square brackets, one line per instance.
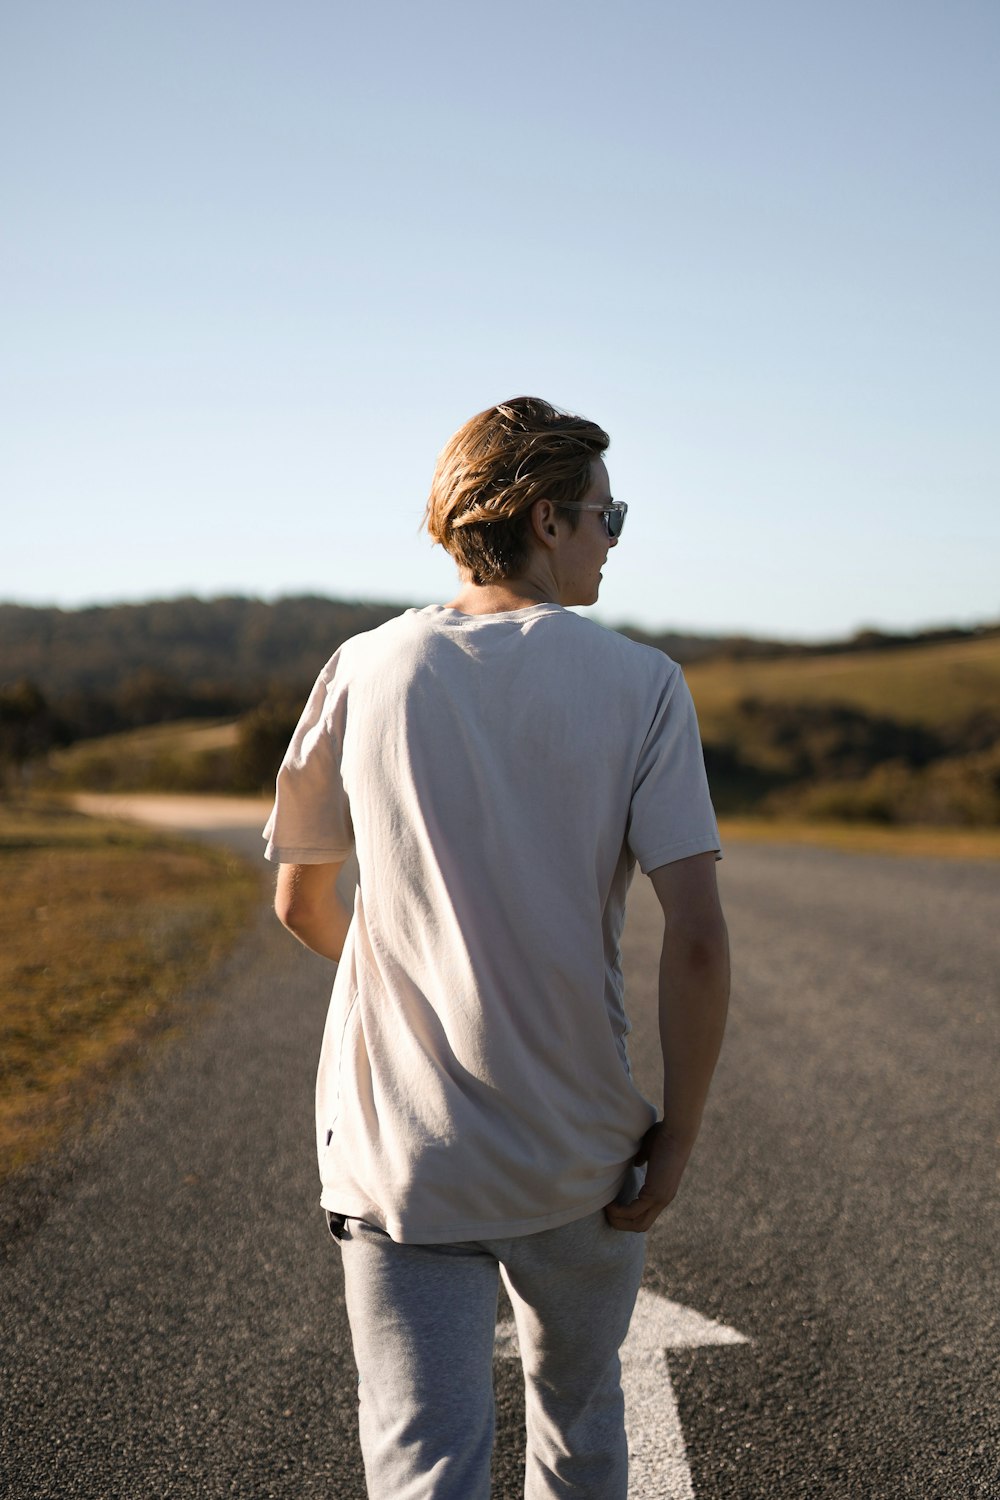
[422, 1323]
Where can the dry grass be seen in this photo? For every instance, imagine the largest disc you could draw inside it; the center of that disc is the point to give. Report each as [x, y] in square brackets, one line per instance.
[188, 755]
[102, 925]
[182, 736]
[934, 685]
[867, 838]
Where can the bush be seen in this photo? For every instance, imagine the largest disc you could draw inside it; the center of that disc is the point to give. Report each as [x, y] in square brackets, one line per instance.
[262, 739]
[955, 790]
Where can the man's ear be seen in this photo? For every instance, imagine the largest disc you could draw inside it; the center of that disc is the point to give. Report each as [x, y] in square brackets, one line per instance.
[545, 523]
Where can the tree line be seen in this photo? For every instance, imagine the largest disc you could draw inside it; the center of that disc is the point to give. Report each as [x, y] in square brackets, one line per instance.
[133, 660]
[73, 676]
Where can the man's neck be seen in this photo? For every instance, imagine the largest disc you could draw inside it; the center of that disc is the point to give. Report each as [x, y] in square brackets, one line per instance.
[499, 598]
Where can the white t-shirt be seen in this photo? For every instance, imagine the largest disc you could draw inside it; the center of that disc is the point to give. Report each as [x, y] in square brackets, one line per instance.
[499, 776]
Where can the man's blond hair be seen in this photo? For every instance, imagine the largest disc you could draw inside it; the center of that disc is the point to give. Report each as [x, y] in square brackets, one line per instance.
[491, 472]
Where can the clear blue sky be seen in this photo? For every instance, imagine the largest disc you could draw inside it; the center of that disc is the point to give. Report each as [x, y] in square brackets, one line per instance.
[259, 260]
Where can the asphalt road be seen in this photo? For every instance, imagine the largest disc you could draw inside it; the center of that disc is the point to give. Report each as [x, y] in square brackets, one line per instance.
[171, 1306]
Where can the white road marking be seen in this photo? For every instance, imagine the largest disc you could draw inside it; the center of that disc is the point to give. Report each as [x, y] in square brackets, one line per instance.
[658, 1466]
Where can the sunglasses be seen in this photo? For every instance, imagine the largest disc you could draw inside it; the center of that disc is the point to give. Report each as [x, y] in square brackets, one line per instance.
[612, 514]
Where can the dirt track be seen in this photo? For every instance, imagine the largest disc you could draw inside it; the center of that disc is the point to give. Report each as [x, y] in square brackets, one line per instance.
[168, 810]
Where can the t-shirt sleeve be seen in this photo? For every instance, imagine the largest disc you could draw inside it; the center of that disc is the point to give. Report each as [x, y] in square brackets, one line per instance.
[671, 814]
[310, 823]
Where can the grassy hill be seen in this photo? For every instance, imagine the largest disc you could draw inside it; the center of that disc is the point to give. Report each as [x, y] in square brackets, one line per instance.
[894, 737]
[228, 650]
[200, 656]
[881, 728]
[906, 734]
[191, 755]
[933, 684]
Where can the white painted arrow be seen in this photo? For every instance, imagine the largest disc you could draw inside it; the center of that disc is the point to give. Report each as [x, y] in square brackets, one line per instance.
[658, 1466]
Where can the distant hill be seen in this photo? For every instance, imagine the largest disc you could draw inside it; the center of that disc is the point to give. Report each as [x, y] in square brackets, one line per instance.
[901, 733]
[883, 727]
[234, 647]
[226, 654]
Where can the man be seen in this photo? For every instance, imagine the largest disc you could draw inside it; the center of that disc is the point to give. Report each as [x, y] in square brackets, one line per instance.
[500, 765]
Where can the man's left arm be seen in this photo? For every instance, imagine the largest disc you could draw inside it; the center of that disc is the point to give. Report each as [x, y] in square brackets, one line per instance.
[693, 1002]
[308, 903]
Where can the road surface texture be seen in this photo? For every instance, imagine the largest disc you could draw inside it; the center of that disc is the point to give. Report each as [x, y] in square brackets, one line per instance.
[171, 1305]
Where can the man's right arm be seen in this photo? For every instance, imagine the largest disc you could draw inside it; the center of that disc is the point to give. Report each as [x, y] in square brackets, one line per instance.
[693, 1002]
[307, 902]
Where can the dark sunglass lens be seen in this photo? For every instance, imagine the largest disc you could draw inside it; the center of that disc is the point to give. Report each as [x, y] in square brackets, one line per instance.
[614, 520]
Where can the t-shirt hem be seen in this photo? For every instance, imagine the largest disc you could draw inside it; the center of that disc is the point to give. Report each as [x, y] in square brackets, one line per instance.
[282, 854]
[667, 854]
[408, 1233]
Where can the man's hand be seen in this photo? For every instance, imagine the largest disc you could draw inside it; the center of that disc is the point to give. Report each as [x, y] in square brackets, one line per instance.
[666, 1160]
